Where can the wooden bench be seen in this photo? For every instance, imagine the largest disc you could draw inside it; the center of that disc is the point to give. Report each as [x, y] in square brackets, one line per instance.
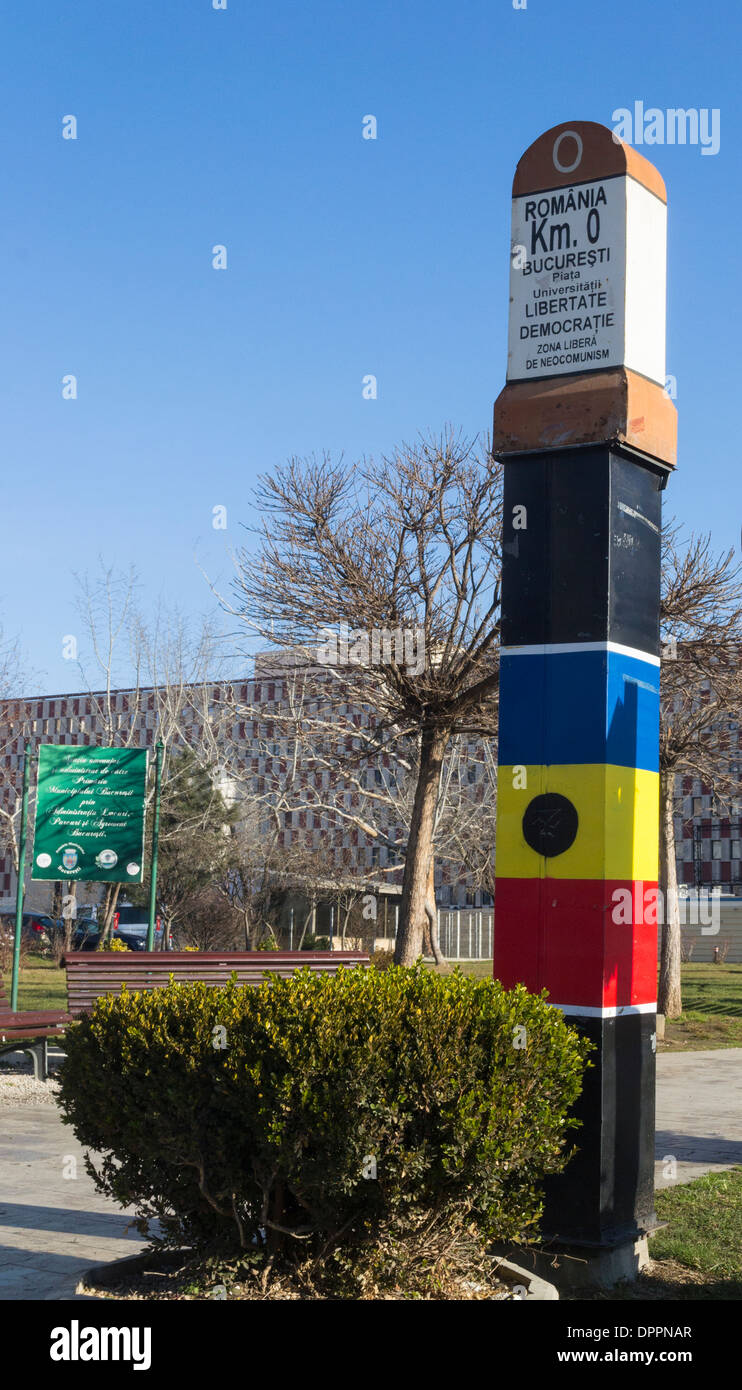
[93, 973]
[29, 1030]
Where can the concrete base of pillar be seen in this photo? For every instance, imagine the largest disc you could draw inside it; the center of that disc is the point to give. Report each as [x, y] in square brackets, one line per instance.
[580, 1267]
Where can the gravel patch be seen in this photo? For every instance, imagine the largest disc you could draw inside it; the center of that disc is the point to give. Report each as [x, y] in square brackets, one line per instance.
[25, 1090]
[18, 1085]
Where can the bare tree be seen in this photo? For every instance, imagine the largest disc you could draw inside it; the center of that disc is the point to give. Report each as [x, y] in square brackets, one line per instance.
[106, 606]
[162, 674]
[15, 728]
[701, 690]
[404, 557]
[413, 544]
[253, 883]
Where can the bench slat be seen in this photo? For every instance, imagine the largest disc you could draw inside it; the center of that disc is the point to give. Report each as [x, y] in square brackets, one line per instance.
[29, 1023]
[11, 1034]
[92, 973]
[7, 1016]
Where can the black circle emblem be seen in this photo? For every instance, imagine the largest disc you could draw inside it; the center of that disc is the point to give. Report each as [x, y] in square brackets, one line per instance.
[550, 824]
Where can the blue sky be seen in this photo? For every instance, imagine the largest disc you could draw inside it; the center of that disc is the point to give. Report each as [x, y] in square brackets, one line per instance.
[346, 256]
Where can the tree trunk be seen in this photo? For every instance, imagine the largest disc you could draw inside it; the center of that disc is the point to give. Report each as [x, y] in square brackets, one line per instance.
[419, 853]
[109, 908]
[669, 1000]
[70, 919]
[57, 895]
[307, 920]
[431, 913]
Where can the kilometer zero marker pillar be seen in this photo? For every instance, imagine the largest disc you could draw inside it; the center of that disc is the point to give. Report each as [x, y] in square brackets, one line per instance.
[587, 434]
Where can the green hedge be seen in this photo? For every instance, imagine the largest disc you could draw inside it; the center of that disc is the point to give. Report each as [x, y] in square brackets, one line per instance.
[344, 1109]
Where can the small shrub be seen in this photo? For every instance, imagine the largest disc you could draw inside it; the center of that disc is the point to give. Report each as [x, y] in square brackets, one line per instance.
[381, 959]
[315, 943]
[7, 939]
[366, 1119]
[113, 944]
[208, 923]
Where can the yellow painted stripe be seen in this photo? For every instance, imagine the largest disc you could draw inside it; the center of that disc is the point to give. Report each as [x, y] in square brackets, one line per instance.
[618, 811]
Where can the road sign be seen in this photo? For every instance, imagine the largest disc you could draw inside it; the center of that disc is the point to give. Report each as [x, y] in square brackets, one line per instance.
[587, 279]
[586, 341]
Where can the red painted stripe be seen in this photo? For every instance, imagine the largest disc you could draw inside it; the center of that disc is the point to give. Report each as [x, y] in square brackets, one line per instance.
[566, 936]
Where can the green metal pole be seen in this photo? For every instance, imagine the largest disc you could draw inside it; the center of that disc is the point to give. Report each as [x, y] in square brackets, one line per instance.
[155, 842]
[21, 877]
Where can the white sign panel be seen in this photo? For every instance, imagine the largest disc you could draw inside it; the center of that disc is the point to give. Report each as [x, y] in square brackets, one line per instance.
[587, 284]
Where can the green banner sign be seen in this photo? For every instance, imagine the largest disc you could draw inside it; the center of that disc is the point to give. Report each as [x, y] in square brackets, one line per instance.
[90, 814]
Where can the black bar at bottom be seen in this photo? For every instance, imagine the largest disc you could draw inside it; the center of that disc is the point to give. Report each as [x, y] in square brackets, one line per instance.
[605, 1196]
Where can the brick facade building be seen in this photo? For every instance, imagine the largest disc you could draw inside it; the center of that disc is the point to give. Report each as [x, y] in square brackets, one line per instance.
[709, 842]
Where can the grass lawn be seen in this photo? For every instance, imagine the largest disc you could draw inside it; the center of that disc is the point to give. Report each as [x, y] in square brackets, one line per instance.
[712, 1006]
[41, 985]
[698, 1255]
[712, 1009]
[480, 969]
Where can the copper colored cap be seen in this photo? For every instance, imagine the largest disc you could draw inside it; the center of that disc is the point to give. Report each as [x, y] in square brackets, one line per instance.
[561, 412]
[601, 155]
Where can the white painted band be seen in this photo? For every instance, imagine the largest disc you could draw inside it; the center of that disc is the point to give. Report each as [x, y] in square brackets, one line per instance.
[615, 1011]
[553, 648]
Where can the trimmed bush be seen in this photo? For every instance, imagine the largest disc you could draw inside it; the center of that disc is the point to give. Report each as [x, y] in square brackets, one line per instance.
[321, 1112]
[382, 959]
[315, 943]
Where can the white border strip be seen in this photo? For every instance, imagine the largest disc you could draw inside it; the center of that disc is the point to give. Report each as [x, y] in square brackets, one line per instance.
[549, 648]
[615, 1011]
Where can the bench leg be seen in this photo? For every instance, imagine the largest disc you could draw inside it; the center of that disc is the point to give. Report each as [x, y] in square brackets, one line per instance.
[38, 1052]
[40, 1058]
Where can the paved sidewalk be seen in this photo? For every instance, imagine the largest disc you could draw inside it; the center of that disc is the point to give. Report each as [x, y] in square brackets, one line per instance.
[699, 1112]
[52, 1227]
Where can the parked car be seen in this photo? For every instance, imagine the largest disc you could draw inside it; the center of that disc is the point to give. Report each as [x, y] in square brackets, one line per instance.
[131, 924]
[38, 924]
[86, 934]
[36, 928]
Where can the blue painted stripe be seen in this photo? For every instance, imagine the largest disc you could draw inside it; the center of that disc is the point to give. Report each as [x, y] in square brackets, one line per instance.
[579, 707]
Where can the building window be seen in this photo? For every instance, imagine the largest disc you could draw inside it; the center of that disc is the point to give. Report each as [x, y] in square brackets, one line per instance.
[717, 849]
